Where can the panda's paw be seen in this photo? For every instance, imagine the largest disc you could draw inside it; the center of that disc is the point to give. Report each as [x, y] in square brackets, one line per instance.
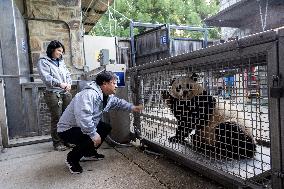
[165, 95]
[176, 139]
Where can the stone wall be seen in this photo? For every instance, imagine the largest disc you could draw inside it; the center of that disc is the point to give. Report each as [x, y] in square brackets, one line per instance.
[56, 19]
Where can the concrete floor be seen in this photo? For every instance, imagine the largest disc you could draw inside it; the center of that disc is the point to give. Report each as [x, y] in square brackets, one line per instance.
[37, 166]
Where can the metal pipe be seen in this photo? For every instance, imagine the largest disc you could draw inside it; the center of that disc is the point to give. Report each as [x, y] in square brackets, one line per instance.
[17, 76]
[29, 75]
[192, 28]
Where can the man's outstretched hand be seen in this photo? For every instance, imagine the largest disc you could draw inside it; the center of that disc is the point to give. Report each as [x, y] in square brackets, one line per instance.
[137, 108]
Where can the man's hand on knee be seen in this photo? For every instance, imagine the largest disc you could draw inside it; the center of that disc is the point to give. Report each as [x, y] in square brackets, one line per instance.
[97, 140]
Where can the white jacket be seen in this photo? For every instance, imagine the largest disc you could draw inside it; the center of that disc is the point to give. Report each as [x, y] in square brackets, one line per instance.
[86, 110]
[52, 75]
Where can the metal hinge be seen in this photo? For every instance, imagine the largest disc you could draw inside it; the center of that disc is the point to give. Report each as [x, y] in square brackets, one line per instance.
[276, 91]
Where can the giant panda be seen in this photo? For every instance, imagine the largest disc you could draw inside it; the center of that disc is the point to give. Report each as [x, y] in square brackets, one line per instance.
[220, 129]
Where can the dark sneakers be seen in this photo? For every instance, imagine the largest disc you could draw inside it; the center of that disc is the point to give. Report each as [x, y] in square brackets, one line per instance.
[74, 168]
[59, 147]
[96, 157]
[69, 145]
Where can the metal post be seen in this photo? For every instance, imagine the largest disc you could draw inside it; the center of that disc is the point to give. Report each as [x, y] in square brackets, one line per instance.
[281, 73]
[135, 85]
[205, 37]
[133, 50]
[274, 118]
[169, 40]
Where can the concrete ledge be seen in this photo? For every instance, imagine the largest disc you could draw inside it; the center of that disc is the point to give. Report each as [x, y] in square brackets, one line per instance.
[28, 141]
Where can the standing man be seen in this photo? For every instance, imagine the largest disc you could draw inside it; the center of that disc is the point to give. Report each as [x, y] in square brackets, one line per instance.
[80, 123]
[56, 78]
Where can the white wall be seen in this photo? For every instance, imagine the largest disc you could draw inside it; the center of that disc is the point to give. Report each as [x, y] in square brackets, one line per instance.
[92, 47]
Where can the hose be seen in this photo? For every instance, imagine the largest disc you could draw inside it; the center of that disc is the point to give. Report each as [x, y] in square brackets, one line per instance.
[117, 143]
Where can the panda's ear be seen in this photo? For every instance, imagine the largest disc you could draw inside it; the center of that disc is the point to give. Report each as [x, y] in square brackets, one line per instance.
[194, 76]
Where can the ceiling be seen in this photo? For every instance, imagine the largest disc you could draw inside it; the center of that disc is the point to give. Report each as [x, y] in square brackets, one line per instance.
[92, 11]
[233, 15]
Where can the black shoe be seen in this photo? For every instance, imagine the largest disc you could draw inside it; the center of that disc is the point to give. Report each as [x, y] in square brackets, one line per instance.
[95, 157]
[69, 145]
[99, 156]
[74, 168]
[59, 147]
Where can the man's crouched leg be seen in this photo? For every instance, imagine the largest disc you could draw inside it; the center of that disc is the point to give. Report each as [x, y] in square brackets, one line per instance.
[103, 129]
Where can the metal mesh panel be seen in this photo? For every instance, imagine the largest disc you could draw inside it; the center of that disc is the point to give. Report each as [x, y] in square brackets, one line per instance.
[44, 114]
[238, 90]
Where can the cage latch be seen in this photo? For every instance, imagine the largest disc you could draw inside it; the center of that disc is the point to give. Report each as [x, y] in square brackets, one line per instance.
[276, 89]
[279, 174]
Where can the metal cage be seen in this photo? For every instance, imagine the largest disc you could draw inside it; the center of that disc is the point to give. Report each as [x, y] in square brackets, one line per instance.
[243, 74]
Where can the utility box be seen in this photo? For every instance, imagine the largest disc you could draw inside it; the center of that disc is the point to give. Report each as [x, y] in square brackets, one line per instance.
[99, 50]
[104, 57]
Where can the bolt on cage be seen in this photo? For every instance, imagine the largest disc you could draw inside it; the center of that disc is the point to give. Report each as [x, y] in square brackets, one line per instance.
[244, 74]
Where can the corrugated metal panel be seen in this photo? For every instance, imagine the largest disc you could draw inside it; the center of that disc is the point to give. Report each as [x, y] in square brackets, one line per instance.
[180, 46]
[150, 46]
[123, 52]
[92, 11]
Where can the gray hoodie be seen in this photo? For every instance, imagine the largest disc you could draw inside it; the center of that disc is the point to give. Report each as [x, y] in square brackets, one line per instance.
[86, 109]
[52, 75]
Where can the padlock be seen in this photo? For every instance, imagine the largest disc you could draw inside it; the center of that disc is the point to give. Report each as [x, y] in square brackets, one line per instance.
[276, 91]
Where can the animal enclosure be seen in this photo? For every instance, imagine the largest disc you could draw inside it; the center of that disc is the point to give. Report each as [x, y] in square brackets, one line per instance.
[207, 124]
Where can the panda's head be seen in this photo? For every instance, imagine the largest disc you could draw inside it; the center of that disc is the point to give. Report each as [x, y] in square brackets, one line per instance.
[185, 87]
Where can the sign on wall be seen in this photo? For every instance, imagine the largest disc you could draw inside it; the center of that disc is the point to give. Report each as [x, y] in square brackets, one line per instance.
[119, 71]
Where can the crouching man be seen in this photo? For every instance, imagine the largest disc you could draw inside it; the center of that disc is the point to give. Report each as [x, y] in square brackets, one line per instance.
[80, 123]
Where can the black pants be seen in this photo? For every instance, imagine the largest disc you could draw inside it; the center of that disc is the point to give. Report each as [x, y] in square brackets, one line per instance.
[84, 144]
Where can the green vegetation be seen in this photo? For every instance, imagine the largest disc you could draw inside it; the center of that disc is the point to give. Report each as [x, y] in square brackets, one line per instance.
[178, 12]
